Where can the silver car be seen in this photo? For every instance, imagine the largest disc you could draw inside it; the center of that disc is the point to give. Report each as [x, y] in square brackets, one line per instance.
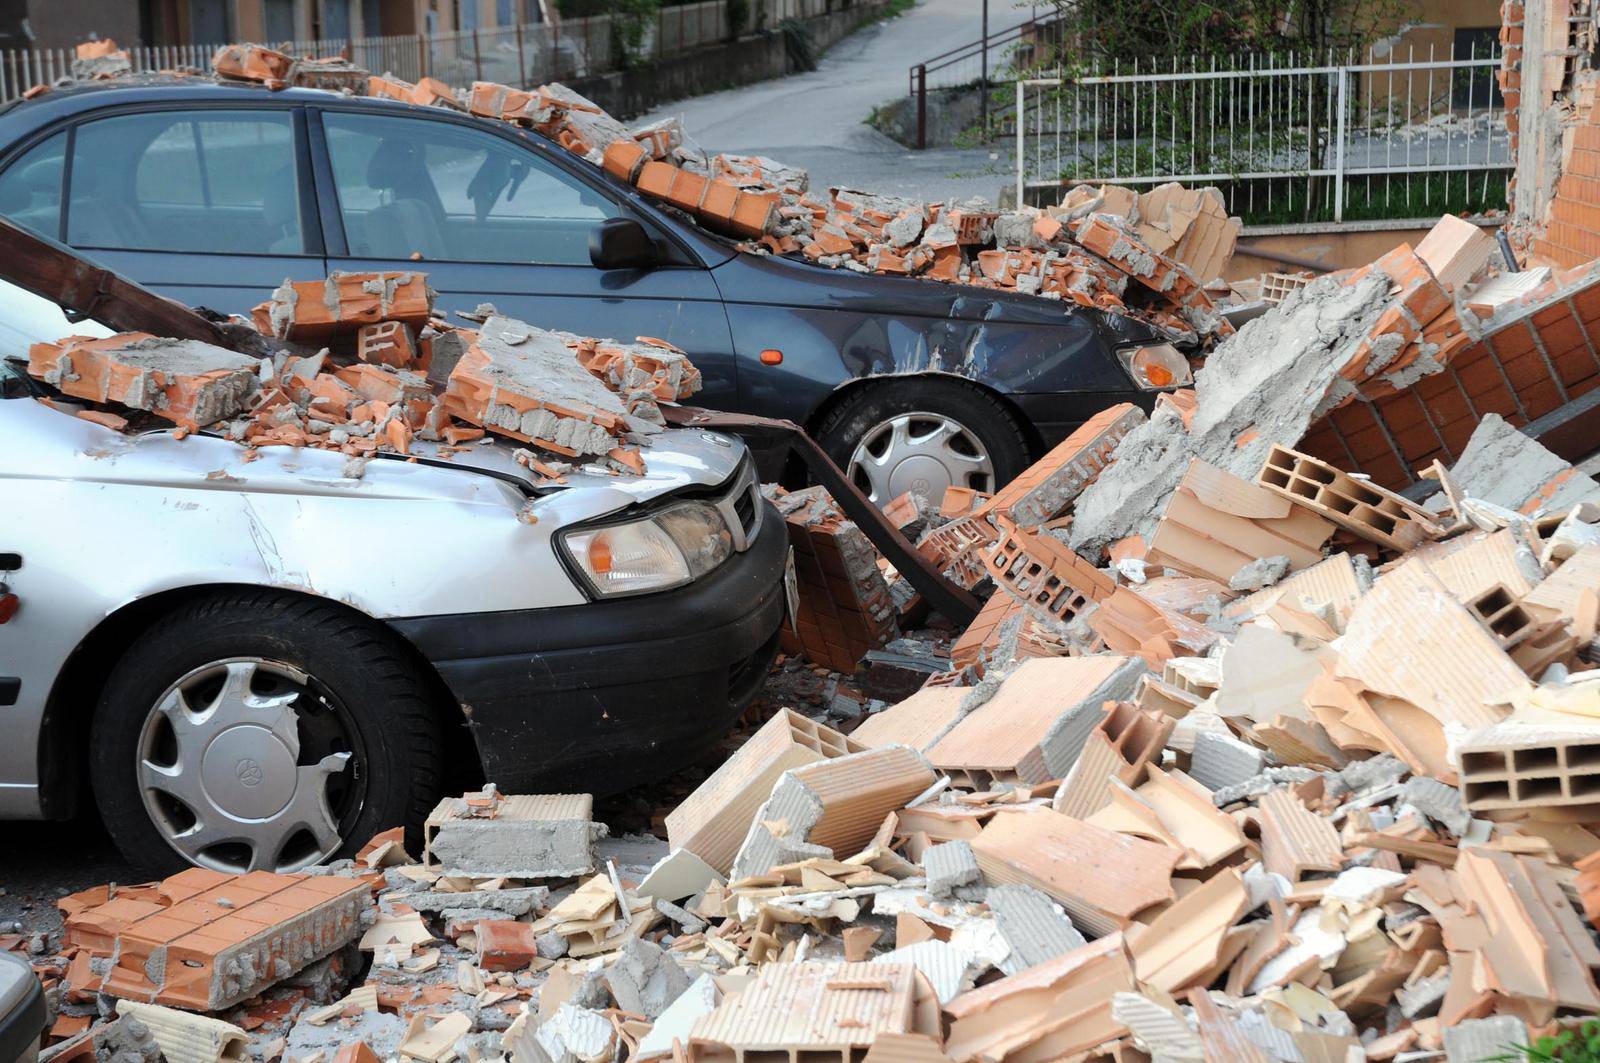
[261, 663]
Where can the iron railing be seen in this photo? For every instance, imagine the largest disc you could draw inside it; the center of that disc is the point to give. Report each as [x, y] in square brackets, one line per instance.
[1272, 126]
[1003, 53]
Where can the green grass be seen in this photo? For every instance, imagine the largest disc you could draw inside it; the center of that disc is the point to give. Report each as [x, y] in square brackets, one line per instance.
[897, 8]
[1569, 1046]
[1282, 201]
[1369, 198]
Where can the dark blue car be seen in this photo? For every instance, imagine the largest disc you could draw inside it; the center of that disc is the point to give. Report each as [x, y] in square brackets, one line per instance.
[214, 193]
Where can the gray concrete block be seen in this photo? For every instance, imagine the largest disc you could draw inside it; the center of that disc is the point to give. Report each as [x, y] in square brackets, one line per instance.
[512, 902]
[1477, 1040]
[1036, 927]
[525, 849]
[948, 865]
[644, 979]
[1439, 801]
[1222, 760]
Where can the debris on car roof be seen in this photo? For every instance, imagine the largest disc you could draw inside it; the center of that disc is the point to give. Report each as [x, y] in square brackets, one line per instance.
[1156, 256]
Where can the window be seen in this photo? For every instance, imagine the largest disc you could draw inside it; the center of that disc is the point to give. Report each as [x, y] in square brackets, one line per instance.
[30, 188]
[278, 18]
[454, 194]
[215, 181]
[1476, 87]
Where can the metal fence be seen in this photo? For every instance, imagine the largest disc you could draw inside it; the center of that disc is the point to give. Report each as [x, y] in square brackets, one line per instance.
[526, 54]
[1409, 127]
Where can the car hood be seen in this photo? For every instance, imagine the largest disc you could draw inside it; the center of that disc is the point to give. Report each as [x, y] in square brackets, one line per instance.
[677, 458]
[44, 442]
[773, 280]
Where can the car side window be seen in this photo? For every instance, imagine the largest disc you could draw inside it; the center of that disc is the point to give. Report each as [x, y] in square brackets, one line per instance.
[224, 182]
[412, 187]
[30, 188]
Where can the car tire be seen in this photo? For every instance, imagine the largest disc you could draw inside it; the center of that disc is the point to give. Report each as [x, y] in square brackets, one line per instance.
[273, 664]
[983, 417]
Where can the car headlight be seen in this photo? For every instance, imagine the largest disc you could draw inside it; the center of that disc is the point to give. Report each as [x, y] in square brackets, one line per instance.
[654, 553]
[1159, 365]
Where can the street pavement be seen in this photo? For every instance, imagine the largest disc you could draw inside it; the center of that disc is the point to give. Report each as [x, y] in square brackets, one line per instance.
[818, 120]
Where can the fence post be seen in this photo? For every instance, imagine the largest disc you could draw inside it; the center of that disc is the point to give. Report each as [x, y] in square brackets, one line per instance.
[422, 58]
[1342, 125]
[983, 79]
[522, 67]
[1021, 130]
[477, 54]
[922, 105]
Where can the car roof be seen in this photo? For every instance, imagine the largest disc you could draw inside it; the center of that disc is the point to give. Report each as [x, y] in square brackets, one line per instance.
[21, 119]
[73, 97]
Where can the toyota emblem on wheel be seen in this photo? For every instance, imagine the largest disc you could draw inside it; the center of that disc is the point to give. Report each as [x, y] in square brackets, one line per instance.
[249, 772]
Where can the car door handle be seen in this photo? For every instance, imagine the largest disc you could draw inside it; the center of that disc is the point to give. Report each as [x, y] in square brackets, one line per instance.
[10, 562]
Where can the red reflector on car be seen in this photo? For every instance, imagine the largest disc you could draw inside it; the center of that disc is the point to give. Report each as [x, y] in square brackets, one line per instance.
[8, 607]
[771, 356]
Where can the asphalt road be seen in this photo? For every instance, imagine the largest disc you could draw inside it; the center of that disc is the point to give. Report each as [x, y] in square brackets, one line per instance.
[817, 120]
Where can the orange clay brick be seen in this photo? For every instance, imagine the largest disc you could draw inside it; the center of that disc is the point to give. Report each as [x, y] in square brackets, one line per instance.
[960, 502]
[389, 88]
[1045, 575]
[389, 343]
[185, 381]
[1050, 484]
[96, 49]
[211, 940]
[251, 62]
[845, 609]
[655, 178]
[382, 384]
[624, 159]
[431, 92]
[491, 100]
[312, 311]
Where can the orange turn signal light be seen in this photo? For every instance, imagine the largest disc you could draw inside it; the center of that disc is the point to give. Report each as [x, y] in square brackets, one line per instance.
[771, 356]
[600, 555]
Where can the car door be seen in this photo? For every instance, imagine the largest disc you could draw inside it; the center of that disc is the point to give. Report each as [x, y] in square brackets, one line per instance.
[204, 204]
[491, 219]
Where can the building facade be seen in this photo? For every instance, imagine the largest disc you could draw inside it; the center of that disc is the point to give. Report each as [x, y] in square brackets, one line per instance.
[63, 23]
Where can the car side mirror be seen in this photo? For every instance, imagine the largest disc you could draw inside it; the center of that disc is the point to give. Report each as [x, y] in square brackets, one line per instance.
[622, 243]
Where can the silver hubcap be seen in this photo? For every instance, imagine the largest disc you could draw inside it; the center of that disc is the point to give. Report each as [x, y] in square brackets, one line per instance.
[921, 452]
[220, 775]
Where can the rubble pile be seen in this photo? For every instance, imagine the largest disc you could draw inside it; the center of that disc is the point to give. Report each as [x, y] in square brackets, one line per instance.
[388, 371]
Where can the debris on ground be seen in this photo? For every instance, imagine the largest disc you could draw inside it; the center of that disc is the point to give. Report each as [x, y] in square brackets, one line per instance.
[1247, 756]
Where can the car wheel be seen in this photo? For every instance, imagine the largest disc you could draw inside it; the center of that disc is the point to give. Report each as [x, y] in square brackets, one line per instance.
[923, 435]
[261, 731]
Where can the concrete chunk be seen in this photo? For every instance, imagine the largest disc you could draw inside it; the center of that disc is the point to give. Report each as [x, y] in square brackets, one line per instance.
[644, 979]
[1036, 927]
[512, 902]
[1504, 467]
[1271, 379]
[1474, 1040]
[948, 865]
[529, 837]
[1439, 801]
[1222, 760]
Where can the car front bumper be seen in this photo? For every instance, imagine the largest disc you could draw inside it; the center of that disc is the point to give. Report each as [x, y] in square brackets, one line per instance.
[601, 696]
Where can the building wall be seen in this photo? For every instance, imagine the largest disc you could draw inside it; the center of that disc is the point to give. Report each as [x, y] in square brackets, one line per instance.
[64, 23]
